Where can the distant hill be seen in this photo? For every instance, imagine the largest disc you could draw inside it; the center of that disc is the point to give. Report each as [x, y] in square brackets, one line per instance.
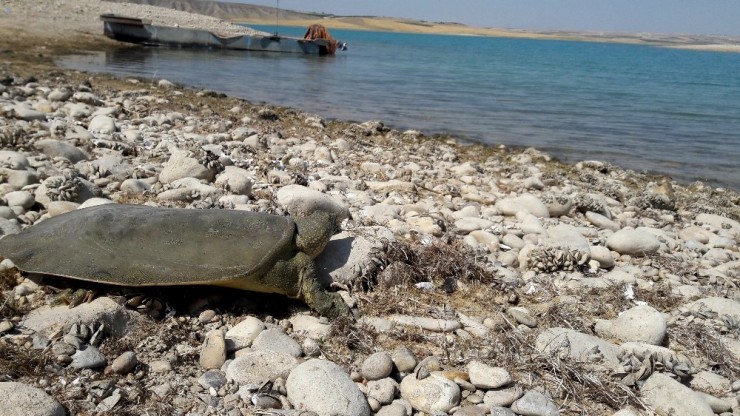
[227, 11]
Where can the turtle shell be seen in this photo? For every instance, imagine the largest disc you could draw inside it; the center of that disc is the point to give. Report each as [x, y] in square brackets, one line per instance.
[134, 245]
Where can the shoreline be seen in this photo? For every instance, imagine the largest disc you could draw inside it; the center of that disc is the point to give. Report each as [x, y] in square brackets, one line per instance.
[708, 43]
[503, 278]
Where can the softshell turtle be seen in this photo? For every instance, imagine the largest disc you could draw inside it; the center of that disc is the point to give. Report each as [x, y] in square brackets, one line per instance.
[135, 245]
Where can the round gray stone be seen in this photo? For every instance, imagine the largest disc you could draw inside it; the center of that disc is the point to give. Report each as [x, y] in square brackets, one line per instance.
[22, 399]
[88, 357]
[639, 324]
[534, 403]
[256, 367]
[377, 366]
[633, 242]
[433, 394]
[124, 363]
[325, 388]
[665, 394]
[277, 341]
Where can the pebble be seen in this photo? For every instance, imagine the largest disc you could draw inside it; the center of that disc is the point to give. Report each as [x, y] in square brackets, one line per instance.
[180, 166]
[404, 359]
[256, 367]
[433, 394]
[665, 394]
[394, 409]
[310, 326]
[276, 340]
[160, 366]
[377, 366]
[522, 316]
[213, 350]
[88, 357]
[56, 148]
[577, 345]
[534, 403]
[384, 390]
[633, 242]
[23, 199]
[527, 203]
[212, 379]
[640, 324]
[502, 396]
[243, 334]
[485, 377]
[22, 399]
[124, 363]
[430, 324]
[325, 388]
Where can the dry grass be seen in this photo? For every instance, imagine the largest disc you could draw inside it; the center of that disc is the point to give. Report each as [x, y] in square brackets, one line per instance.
[706, 343]
[579, 387]
[18, 362]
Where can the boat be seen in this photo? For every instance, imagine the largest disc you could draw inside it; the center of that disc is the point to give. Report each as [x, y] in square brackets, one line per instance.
[140, 31]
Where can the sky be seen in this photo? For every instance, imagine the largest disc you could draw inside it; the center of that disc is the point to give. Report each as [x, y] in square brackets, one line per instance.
[718, 17]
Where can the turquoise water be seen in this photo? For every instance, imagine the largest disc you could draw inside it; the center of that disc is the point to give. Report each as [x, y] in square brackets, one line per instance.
[667, 111]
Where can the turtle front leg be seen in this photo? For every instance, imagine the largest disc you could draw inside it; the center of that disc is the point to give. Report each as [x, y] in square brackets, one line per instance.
[315, 296]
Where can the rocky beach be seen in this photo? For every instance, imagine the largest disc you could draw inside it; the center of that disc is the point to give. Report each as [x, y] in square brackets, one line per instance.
[482, 280]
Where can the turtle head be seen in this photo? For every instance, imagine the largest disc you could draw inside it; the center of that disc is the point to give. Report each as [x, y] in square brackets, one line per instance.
[315, 230]
[317, 216]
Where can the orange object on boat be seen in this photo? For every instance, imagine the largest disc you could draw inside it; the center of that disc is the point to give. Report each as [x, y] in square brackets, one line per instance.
[315, 32]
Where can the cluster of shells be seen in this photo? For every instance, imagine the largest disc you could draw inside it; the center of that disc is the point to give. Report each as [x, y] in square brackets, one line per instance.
[77, 337]
[550, 259]
[65, 187]
[727, 325]
[635, 367]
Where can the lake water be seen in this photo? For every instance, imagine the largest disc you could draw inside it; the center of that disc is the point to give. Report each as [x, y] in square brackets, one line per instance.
[668, 111]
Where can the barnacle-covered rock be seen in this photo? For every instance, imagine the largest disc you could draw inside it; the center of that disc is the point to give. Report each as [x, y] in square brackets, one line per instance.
[657, 196]
[65, 187]
[14, 137]
[550, 259]
[558, 205]
[593, 203]
[211, 162]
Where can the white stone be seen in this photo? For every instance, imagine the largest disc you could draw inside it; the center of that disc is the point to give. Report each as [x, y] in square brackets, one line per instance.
[102, 124]
[213, 350]
[235, 180]
[534, 403]
[525, 203]
[310, 326]
[275, 340]
[639, 324]
[485, 377]
[256, 367]
[118, 320]
[602, 255]
[180, 165]
[601, 221]
[577, 345]
[22, 399]
[325, 388]
[667, 396]
[300, 201]
[135, 186]
[633, 242]
[22, 199]
[56, 148]
[721, 306]
[433, 394]
[243, 334]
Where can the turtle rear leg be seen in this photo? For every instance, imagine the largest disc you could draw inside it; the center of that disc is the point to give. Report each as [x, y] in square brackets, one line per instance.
[316, 297]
